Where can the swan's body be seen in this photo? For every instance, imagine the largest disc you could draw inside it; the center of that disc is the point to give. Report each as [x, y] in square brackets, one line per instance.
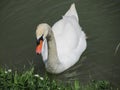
[63, 44]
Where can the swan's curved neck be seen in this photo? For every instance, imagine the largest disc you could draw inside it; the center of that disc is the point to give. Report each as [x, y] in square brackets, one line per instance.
[52, 50]
[53, 60]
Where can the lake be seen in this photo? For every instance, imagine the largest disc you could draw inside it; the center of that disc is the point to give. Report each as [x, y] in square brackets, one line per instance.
[100, 20]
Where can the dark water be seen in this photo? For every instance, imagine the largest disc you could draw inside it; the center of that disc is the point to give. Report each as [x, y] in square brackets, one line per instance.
[99, 19]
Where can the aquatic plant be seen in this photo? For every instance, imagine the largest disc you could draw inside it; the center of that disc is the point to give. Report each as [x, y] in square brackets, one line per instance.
[27, 80]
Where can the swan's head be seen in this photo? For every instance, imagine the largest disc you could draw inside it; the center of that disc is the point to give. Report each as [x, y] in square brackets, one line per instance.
[41, 34]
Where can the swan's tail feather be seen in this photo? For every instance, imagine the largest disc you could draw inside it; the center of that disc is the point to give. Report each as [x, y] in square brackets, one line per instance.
[72, 11]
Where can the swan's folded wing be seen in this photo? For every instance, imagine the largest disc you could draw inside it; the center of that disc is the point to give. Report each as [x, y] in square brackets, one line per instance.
[72, 12]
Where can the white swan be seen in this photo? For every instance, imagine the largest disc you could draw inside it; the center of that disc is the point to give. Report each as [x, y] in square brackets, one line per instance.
[62, 45]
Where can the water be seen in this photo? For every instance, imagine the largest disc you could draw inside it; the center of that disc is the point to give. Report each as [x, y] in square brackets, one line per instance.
[99, 19]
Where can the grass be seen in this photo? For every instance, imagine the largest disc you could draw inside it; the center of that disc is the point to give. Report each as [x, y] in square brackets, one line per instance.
[27, 80]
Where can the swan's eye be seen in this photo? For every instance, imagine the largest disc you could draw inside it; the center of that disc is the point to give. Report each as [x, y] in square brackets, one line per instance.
[38, 40]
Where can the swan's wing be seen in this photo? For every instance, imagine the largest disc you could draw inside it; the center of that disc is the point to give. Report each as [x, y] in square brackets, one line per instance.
[72, 12]
[67, 34]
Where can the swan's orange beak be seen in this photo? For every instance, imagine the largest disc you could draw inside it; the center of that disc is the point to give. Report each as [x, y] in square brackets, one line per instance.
[39, 47]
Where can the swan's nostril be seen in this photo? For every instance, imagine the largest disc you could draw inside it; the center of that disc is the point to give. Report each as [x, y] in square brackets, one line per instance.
[38, 53]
